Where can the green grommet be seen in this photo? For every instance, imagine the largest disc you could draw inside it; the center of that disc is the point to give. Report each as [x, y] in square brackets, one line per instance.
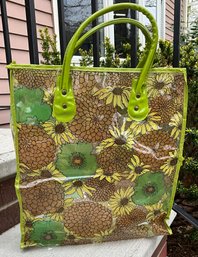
[138, 104]
[64, 106]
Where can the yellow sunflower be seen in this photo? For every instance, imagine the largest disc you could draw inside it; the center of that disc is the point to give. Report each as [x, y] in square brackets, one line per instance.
[24, 170]
[68, 202]
[116, 94]
[170, 165]
[120, 137]
[154, 210]
[48, 97]
[71, 238]
[55, 216]
[79, 187]
[121, 203]
[110, 177]
[48, 171]
[58, 131]
[159, 84]
[176, 122]
[28, 220]
[146, 125]
[98, 238]
[59, 215]
[137, 168]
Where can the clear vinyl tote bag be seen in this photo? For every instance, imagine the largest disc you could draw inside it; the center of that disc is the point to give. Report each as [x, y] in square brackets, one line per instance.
[98, 149]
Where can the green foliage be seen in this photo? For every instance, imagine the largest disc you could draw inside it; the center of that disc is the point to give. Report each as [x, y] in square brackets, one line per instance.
[87, 57]
[190, 193]
[194, 33]
[194, 234]
[164, 54]
[29, 105]
[111, 58]
[50, 53]
[191, 165]
[191, 143]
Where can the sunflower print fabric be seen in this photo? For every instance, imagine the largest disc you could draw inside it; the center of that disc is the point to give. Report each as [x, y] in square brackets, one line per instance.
[102, 176]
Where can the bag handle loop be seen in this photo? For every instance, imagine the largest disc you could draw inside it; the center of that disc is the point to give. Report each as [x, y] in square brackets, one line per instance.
[119, 21]
[64, 107]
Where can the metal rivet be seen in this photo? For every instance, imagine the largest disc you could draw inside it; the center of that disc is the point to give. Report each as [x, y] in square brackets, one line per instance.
[64, 106]
[136, 108]
[64, 92]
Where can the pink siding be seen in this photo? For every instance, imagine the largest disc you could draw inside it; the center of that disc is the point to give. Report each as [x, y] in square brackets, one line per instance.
[19, 41]
[170, 17]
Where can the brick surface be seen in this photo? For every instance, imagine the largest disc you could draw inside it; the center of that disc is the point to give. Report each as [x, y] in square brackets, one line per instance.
[9, 217]
[161, 250]
[7, 191]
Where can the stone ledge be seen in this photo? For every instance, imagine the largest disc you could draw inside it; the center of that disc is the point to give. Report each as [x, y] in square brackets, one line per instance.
[7, 154]
[9, 246]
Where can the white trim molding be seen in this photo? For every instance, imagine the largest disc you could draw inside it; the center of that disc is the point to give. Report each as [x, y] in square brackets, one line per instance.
[109, 31]
[161, 16]
[56, 22]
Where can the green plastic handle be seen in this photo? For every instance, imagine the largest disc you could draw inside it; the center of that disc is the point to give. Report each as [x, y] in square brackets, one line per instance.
[119, 21]
[64, 107]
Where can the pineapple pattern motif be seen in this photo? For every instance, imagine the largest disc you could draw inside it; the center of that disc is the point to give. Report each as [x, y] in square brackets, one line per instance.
[102, 176]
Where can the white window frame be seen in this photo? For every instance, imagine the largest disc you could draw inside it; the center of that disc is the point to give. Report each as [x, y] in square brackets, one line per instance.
[160, 19]
[109, 31]
[56, 22]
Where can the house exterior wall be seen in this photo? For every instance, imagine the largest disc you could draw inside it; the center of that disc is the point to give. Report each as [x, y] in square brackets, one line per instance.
[169, 22]
[169, 19]
[19, 42]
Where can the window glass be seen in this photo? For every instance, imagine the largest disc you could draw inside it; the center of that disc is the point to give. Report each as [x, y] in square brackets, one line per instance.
[122, 31]
[151, 6]
[76, 11]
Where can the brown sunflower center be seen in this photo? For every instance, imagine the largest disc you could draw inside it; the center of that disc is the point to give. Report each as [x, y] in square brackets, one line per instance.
[120, 140]
[150, 189]
[28, 223]
[71, 237]
[160, 85]
[77, 183]
[60, 128]
[157, 212]
[107, 173]
[60, 210]
[46, 174]
[117, 91]
[173, 162]
[138, 170]
[77, 161]
[124, 201]
[48, 236]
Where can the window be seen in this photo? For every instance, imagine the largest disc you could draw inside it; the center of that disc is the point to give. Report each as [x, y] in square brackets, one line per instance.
[76, 11]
